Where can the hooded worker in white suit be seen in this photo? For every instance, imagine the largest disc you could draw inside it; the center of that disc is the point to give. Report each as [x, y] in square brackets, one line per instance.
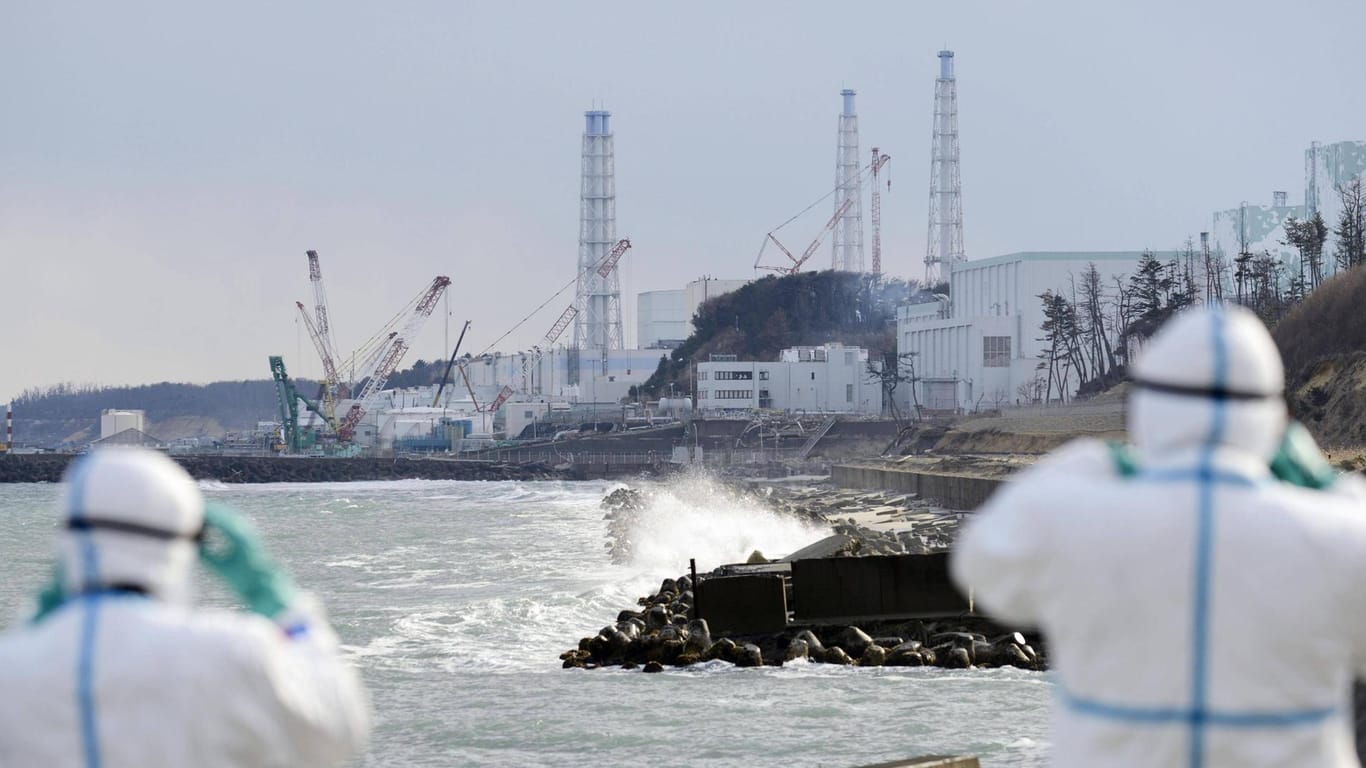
[117, 669]
[1201, 609]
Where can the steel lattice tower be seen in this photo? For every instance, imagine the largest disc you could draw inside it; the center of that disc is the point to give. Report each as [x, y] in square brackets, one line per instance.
[946, 188]
[847, 250]
[597, 326]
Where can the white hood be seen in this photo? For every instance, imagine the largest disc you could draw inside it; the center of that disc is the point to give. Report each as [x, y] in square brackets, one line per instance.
[132, 517]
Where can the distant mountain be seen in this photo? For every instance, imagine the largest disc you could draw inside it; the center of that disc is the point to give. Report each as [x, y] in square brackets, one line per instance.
[66, 414]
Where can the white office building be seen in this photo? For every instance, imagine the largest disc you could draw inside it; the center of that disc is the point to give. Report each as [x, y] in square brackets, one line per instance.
[975, 348]
[827, 379]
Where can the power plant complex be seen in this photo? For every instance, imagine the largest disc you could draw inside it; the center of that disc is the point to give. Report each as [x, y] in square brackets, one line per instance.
[971, 332]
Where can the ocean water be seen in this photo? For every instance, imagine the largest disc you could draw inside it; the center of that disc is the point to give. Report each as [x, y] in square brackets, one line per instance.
[455, 600]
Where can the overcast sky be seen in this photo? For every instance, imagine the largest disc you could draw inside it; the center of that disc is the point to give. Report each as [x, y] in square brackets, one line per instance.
[164, 166]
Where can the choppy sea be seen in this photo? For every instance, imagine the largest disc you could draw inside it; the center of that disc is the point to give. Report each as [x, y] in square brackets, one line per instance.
[455, 600]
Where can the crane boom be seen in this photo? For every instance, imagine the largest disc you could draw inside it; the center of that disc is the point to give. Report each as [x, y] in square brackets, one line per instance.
[393, 355]
[558, 328]
[327, 343]
[449, 364]
[329, 367]
[875, 206]
[610, 263]
[811, 249]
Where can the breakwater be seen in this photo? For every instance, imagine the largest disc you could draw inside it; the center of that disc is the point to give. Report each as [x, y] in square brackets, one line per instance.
[664, 633]
[955, 491]
[48, 468]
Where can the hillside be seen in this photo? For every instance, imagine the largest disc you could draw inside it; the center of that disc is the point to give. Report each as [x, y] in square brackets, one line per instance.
[1323, 344]
[770, 314]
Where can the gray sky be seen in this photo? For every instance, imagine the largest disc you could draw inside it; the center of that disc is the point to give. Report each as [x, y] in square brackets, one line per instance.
[164, 167]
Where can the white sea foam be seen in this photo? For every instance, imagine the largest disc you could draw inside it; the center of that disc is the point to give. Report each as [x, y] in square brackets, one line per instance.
[697, 517]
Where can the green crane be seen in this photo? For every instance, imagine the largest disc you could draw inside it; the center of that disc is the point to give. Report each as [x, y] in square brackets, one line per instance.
[288, 398]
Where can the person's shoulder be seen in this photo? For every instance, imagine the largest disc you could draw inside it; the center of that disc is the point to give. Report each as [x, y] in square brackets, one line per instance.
[1350, 488]
[229, 635]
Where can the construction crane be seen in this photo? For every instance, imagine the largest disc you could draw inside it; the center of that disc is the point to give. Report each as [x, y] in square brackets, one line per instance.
[449, 364]
[610, 262]
[315, 276]
[392, 356]
[798, 263]
[558, 328]
[875, 207]
[329, 387]
[287, 397]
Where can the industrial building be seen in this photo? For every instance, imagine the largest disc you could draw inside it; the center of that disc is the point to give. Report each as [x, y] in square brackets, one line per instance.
[1259, 228]
[831, 378]
[664, 318]
[1327, 167]
[979, 344]
[1255, 229]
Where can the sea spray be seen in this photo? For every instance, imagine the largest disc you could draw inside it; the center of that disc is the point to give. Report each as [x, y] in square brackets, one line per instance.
[659, 529]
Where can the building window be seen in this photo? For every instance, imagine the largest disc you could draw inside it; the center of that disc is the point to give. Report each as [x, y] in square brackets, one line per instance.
[848, 393]
[763, 375]
[734, 394]
[734, 375]
[996, 351]
[813, 375]
[701, 375]
[701, 394]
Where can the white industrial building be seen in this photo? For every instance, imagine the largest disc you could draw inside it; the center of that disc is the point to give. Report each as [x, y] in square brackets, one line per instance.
[664, 318]
[828, 379]
[1255, 229]
[1327, 167]
[114, 421]
[977, 347]
[603, 377]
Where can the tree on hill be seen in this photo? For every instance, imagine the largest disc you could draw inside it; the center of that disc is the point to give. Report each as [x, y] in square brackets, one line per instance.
[1307, 237]
[758, 320]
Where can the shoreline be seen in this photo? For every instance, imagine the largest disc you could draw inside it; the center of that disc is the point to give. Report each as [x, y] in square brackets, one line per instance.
[48, 468]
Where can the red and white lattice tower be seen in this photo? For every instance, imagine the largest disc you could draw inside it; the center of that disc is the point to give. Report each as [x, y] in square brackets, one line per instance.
[946, 188]
[875, 209]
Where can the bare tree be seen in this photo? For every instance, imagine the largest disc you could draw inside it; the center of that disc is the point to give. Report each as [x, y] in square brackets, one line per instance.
[1351, 229]
[896, 369]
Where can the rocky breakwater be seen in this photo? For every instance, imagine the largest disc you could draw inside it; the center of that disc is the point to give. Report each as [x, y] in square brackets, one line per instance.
[662, 633]
[48, 468]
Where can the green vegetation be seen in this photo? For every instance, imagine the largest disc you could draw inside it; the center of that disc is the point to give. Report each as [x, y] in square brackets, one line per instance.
[773, 313]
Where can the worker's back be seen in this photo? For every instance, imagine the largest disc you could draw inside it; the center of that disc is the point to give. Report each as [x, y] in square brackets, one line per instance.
[1115, 578]
[1201, 609]
[164, 686]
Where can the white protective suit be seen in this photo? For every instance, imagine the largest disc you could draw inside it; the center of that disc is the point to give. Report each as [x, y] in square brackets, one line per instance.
[1198, 611]
[124, 673]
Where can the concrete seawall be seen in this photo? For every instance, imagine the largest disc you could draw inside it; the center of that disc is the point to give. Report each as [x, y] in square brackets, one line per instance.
[48, 468]
[954, 491]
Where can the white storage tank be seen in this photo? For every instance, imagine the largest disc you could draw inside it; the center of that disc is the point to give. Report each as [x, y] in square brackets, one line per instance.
[114, 421]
